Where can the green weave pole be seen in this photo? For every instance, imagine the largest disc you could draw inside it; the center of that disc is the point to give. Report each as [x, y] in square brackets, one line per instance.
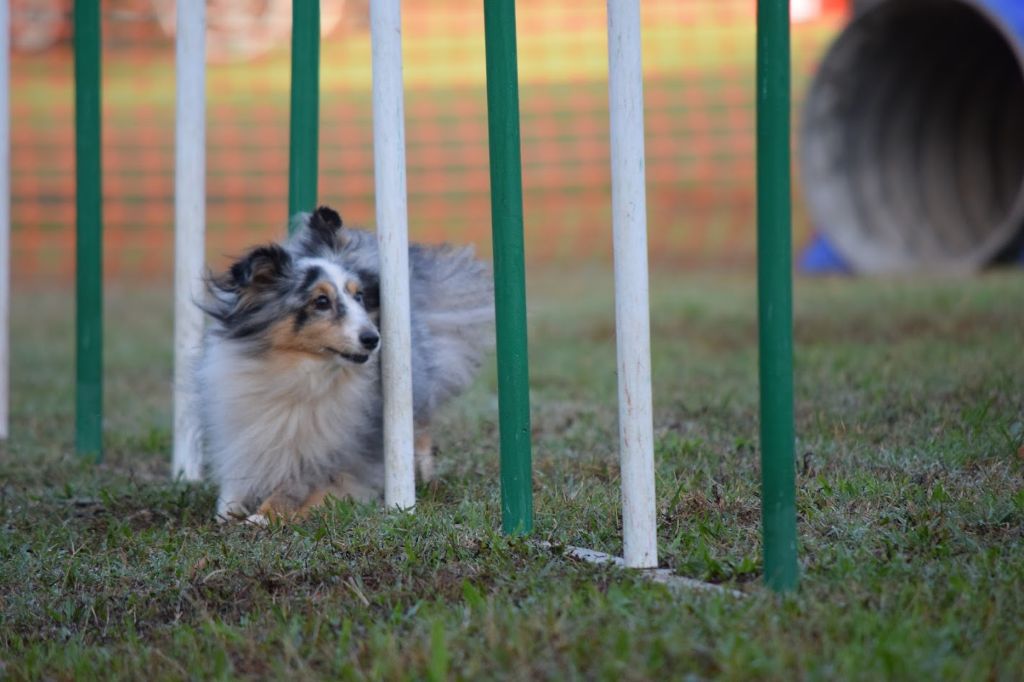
[305, 117]
[89, 235]
[775, 296]
[509, 268]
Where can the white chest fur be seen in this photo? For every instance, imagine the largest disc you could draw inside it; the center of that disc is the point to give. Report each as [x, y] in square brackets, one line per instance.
[270, 422]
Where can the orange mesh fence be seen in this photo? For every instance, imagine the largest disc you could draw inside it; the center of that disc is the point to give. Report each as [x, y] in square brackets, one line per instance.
[699, 88]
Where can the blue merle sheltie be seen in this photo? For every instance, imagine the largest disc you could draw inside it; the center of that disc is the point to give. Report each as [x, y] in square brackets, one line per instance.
[288, 378]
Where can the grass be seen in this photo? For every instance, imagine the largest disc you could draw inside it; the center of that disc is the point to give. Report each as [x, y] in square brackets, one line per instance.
[910, 497]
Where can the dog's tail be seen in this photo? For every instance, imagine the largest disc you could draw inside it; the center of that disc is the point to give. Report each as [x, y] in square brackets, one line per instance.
[453, 302]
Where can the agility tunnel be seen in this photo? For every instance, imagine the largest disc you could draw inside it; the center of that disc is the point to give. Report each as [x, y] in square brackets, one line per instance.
[912, 136]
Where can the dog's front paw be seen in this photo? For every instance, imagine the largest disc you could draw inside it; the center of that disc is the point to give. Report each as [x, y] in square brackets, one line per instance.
[230, 508]
[258, 520]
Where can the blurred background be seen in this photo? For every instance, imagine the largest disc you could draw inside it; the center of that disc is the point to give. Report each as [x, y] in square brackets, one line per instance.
[699, 89]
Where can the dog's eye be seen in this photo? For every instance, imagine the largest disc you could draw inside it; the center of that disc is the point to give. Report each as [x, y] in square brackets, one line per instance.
[358, 297]
[321, 302]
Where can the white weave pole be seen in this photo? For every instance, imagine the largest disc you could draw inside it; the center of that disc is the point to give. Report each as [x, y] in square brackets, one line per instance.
[5, 215]
[393, 238]
[632, 308]
[189, 228]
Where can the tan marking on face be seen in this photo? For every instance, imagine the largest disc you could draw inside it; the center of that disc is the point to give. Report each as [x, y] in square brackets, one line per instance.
[323, 289]
[310, 339]
[352, 287]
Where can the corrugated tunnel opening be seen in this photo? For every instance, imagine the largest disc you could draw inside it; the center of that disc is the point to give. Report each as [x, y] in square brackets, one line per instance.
[913, 138]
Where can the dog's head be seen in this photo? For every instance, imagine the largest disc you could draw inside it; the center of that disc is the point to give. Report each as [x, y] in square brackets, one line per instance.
[321, 234]
[275, 301]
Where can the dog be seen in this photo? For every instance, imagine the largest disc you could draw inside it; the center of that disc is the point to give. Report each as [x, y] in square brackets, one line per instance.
[288, 378]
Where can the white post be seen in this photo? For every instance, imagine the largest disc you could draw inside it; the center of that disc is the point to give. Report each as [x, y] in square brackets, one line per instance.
[5, 214]
[393, 238]
[632, 309]
[189, 228]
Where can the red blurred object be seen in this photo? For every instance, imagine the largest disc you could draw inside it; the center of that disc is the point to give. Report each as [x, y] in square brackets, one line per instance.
[236, 30]
[811, 10]
[38, 24]
[239, 30]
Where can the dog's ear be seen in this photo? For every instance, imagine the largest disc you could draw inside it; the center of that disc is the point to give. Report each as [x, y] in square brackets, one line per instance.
[324, 229]
[325, 218]
[262, 267]
[371, 290]
[246, 283]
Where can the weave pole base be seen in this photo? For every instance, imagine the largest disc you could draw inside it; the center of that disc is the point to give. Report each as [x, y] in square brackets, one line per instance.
[663, 576]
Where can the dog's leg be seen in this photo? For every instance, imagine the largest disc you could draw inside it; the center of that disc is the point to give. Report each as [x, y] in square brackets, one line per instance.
[288, 504]
[230, 504]
[282, 504]
[423, 447]
[344, 486]
[229, 511]
[314, 500]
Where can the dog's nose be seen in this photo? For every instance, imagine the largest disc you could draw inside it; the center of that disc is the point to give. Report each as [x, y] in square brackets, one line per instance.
[369, 339]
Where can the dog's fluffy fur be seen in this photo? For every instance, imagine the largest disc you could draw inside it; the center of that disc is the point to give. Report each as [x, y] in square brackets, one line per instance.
[288, 380]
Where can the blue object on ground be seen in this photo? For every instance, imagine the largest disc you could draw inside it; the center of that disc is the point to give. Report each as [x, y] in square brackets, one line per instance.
[819, 257]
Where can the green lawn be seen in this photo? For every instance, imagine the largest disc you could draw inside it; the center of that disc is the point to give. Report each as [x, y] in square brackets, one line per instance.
[911, 503]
